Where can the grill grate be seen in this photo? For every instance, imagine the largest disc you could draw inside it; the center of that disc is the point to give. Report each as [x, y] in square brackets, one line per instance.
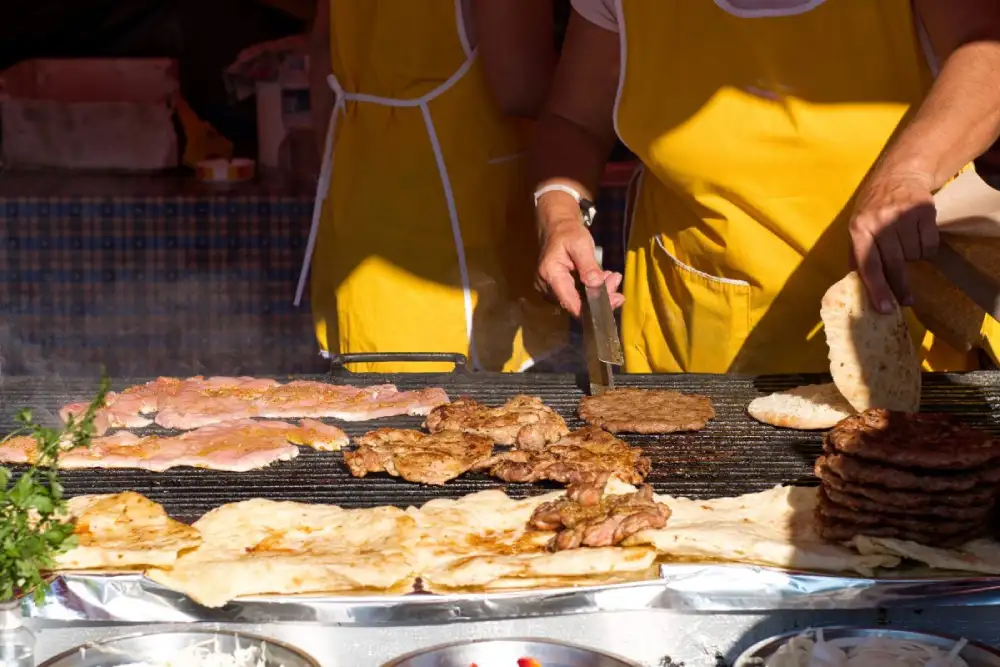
[733, 455]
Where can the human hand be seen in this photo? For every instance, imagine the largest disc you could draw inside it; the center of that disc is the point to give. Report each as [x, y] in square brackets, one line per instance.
[894, 222]
[568, 247]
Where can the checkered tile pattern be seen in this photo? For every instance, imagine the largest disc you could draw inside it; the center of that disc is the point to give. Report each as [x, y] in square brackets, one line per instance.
[166, 284]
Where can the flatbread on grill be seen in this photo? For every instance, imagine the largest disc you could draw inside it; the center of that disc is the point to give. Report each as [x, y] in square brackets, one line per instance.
[482, 542]
[772, 528]
[980, 556]
[260, 547]
[872, 358]
[811, 407]
[124, 531]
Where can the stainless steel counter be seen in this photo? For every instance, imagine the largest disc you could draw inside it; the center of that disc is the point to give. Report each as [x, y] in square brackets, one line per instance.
[653, 638]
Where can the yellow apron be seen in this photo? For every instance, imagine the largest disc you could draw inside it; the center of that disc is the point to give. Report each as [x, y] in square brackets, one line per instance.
[421, 233]
[755, 132]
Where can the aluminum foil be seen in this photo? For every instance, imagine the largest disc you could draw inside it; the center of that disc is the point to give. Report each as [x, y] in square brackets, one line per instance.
[131, 598]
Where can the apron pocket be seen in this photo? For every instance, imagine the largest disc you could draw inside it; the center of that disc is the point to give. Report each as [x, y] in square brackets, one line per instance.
[704, 319]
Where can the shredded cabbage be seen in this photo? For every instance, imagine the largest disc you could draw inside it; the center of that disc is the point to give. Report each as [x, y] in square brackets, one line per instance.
[203, 655]
[810, 649]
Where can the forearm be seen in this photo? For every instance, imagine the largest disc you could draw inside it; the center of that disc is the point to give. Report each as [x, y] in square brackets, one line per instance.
[518, 52]
[565, 153]
[320, 95]
[959, 119]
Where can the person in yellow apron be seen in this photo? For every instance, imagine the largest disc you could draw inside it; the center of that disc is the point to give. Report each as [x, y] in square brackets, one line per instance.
[762, 126]
[417, 243]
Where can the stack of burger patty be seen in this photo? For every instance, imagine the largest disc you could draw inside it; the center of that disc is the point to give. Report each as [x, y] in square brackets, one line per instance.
[921, 477]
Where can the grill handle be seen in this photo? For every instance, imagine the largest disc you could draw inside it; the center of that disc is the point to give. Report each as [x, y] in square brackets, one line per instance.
[338, 362]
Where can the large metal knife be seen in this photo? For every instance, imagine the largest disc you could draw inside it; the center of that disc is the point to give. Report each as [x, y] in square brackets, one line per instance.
[600, 336]
[969, 206]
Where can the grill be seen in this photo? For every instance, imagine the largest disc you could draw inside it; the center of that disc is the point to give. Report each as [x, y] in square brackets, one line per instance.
[733, 455]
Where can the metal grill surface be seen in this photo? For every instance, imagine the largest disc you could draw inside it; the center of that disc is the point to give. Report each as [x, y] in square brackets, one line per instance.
[733, 455]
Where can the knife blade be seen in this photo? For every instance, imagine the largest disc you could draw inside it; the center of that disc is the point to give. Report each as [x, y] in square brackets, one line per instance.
[981, 289]
[600, 335]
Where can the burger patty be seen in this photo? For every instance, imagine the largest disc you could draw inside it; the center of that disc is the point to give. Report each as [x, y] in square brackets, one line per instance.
[977, 495]
[829, 509]
[862, 504]
[924, 441]
[835, 530]
[646, 411]
[859, 471]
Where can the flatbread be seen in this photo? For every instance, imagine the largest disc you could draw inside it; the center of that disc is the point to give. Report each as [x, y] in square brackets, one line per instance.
[260, 547]
[811, 407]
[482, 542]
[771, 528]
[124, 531]
[981, 556]
[872, 359]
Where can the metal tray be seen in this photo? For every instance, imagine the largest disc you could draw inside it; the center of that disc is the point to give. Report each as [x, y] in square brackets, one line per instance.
[152, 646]
[506, 653]
[975, 654]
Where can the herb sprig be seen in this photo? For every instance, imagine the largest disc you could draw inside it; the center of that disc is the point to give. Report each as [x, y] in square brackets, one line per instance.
[34, 524]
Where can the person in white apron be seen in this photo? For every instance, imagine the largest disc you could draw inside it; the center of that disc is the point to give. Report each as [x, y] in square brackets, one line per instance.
[421, 237]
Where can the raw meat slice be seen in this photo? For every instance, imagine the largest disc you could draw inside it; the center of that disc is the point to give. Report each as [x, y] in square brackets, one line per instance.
[197, 401]
[235, 446]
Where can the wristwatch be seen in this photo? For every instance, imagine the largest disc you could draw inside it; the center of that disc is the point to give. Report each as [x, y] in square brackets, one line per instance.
[587, 209]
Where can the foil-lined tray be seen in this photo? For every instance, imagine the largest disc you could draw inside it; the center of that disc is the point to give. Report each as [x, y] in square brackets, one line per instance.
[131, 598]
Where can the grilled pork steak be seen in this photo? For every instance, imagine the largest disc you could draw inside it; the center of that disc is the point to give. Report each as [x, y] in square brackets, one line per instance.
[417, 457]
[198, 401]
[582, 456]
[646, 411]
[523, 420]
[587, 518]
[236, 446]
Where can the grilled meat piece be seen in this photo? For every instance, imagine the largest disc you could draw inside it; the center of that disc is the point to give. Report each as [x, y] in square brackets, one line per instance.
[859, 503]
[927, 525]
[587, 518]
[860, 471]
[924, 441]
[417, 457]
[904, 499]
[646, 411]
[198, 401]
[580, 457]
[523, 420]
[235, 446]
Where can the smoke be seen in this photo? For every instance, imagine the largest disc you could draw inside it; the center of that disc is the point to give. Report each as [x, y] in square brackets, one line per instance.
[203, 324]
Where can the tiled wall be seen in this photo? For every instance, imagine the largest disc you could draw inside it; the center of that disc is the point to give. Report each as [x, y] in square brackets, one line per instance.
[153, 276]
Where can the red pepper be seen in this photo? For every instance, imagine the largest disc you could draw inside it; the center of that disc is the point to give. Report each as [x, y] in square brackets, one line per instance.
[528, 662]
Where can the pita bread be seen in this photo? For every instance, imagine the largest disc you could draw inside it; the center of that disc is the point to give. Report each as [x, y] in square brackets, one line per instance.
[980, 556]
[124, 531]
[872, 359]
[811, 407]
[262, 547]
[772, 528]
[482, 542]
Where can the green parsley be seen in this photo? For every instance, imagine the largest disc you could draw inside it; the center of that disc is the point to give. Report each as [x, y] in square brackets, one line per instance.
[34, 526]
